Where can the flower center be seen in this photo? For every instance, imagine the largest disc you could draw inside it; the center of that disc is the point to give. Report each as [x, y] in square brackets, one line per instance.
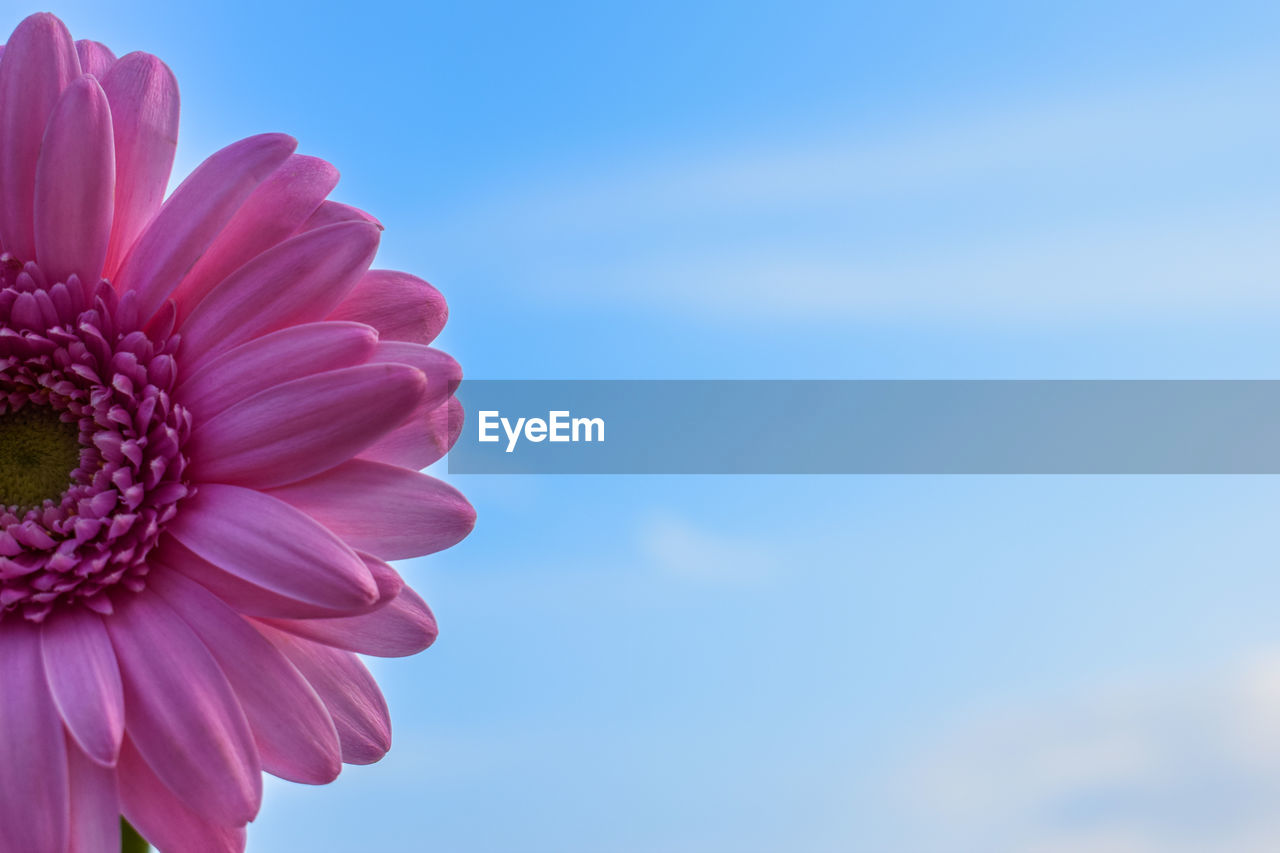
[38, 454]
[91, 461]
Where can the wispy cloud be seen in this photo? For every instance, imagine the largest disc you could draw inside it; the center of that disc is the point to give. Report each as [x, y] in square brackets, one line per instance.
[1184, 767]
[682, 549]
[1139, 198]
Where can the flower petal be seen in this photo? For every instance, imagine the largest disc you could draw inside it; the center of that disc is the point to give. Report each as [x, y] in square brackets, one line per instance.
[273, 213]
[303, 427]
[443, 373]
[295, 735]
[272, 545]
[299, 281]
[291, 353]
[431, 429]
[162, 818]
[400, 306]
[387, 511]
[388, 579]
[422, 439]
[39, 62]
[84, 679]
[95, 58]
[195, 214]
[144, 115]
[75, 184]
[175, 694]
[330, 212]
[95, 805]
[247, 596]
[349, 692]
[403, 627]
[34, 813]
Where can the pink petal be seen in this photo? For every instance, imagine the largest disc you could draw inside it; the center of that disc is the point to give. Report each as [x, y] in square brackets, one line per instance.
[95, 57]
[182, 714]
[443, 373]
[39, 62]
[34, 813]
[83, 677]
[294, 733]
[349, 692]
[332, 212]
[144, 115]
[299, 281]
[428, 433]
[388, 580]
[272, 545]
[273, 213]
[400, 306]
[422, 439]
[75, 184]
[195, 214]
[163, 819]
[95, 805]
[303, 427]
[403, 627]
[390, 512]
[246, 596]
[291, 353]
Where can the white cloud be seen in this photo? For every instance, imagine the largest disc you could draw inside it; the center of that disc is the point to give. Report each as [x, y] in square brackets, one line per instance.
[678, 548]
[1145, 123]
[1126, 200]
[1183, 767]
[1156, 268]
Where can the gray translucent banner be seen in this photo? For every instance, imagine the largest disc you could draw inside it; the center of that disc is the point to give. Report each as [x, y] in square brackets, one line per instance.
[868, 427]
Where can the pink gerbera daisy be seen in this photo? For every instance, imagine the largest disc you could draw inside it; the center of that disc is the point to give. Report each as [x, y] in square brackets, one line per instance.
[212, 421]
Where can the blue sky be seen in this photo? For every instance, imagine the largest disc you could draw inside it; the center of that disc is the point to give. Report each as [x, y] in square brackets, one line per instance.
[807, 190]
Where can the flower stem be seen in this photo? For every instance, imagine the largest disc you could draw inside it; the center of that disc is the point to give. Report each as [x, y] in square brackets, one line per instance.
[130, 840]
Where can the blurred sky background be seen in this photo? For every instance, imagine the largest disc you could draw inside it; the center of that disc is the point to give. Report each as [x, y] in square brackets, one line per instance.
[805, 190]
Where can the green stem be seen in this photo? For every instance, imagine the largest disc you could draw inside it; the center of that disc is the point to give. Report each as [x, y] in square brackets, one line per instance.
[130, 840]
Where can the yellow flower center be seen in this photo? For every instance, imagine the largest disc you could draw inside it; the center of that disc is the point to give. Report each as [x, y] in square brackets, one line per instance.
[38, 453]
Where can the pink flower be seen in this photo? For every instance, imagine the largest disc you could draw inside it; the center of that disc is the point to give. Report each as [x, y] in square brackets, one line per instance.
[212, 419]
